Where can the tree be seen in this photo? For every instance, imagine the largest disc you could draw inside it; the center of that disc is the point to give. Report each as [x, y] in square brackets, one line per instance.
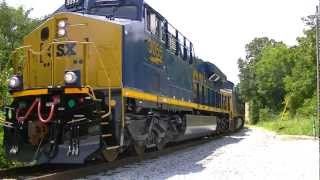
[301, 85]
[272, 73]
[14, 25]
[256, 46]
[248, 86]
[274, 65]
[247, 67]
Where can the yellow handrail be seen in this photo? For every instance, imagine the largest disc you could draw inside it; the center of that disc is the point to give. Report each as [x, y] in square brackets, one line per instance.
[109, 82]
[22, 47]
[5, 123]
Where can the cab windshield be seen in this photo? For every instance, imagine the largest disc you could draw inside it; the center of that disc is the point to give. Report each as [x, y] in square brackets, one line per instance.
[125, 12]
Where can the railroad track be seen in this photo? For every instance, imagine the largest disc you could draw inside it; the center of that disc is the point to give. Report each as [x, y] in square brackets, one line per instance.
[48, 172]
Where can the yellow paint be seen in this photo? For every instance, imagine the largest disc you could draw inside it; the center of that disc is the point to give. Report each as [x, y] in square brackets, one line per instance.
[98, 53]
[76, 91]
[155, 51]
[198, 76]
[130, 93]
[30, 93]
[139, 95]
[38, 92]
[175, 102]
[113, 103]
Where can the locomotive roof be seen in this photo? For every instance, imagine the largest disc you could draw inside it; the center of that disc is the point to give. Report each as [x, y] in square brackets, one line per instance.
[83, 8]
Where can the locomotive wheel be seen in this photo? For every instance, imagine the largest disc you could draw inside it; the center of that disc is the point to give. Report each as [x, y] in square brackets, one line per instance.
[139, 149]
[225, 125]
[110, 155]
[159, 141]
[219, 126]
[241, 123]
[161, 144]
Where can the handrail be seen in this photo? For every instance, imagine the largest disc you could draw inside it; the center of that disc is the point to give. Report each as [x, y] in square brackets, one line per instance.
[14, 58]
[5, 123]
[85, 46]
[109, 82]
[22, 47]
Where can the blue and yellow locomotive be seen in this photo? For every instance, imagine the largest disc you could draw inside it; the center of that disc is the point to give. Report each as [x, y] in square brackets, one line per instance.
[101, 76]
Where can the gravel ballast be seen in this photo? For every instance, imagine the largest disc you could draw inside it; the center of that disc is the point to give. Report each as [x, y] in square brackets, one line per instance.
[250, 154]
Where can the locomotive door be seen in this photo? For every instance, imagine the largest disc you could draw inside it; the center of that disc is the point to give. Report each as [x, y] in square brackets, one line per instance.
[45, 64]
[40, 59]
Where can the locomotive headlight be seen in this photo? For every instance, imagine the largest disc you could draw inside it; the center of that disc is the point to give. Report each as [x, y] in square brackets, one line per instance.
[70, 77]
[61, 28]
[62, 24]
[14, 82]
[61, 32]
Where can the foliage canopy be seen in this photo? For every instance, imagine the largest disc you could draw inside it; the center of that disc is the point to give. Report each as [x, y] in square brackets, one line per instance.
[15, 23]
[273, 75]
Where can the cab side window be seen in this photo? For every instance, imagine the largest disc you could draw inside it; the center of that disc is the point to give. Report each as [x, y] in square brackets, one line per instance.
[153, 23]
[174, 41]
[148, 20]
[163, 31]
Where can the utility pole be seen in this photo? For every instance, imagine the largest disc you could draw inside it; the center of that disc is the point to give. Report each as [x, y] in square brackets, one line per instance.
[318, 72]
[318, 67]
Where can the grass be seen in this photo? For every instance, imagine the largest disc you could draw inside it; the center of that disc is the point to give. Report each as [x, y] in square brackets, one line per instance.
[289, 126]
[4, 163]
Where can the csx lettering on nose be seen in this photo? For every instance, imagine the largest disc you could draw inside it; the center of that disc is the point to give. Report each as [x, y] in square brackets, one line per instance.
[66, 50]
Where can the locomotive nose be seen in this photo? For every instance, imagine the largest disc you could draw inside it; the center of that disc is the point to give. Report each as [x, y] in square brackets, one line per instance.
[67, 57]
[67, 50]
[53, 52]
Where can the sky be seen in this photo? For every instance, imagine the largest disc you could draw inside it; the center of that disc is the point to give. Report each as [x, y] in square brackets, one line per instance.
[219, 29]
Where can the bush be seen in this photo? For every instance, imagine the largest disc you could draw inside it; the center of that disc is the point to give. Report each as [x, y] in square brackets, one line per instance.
[4, 163]
[309, 107]
[298, 125]
[266, 114]
[254, 111]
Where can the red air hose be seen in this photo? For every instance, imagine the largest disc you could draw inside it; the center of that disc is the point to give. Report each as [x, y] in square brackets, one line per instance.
[22, 119]
[55, 102]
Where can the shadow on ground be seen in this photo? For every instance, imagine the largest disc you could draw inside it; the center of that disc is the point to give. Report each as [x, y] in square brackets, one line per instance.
[180, 163]
[191, 163]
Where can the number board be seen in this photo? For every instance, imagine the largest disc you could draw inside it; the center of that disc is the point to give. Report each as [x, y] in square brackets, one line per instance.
[73, 3]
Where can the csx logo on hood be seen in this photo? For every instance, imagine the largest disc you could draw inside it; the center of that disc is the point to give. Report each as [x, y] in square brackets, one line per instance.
[66, 50]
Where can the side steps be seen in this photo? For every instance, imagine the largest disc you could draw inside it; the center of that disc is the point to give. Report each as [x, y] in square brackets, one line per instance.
[111, 150]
